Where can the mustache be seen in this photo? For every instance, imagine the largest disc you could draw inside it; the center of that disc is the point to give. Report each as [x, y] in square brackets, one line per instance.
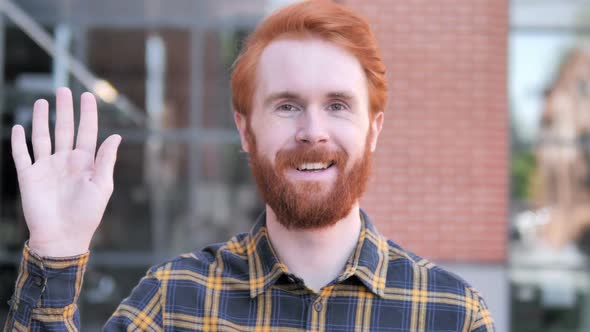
[293, 158]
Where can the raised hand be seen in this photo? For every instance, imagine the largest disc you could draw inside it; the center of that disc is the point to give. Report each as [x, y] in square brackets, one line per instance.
[64, 194]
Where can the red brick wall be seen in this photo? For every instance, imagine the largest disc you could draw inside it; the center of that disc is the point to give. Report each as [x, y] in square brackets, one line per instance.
[440, 185]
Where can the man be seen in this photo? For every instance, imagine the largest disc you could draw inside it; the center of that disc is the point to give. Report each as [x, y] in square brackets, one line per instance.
[309, 93]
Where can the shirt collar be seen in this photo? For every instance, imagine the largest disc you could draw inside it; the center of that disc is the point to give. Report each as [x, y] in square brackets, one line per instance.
[264, 266]
[368, 262]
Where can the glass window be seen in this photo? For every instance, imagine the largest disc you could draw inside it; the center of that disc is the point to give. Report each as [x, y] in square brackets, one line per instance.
[181, 180]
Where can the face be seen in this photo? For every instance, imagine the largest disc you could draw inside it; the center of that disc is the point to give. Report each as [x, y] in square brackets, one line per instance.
[309, 135]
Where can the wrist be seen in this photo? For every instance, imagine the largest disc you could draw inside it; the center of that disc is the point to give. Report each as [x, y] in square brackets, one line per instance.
[57, 248]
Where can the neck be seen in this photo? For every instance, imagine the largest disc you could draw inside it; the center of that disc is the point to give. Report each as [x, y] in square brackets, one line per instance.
[317, 256]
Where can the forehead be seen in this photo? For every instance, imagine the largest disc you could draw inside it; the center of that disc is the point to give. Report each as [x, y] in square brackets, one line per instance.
[309, 67]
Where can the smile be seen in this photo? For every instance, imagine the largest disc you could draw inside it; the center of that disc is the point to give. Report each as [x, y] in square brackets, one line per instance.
[314, 167]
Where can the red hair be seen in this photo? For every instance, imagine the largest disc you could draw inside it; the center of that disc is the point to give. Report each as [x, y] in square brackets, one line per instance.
[316, 18]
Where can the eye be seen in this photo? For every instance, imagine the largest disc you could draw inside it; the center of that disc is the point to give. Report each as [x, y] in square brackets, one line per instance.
[337, 107]
[287, 108]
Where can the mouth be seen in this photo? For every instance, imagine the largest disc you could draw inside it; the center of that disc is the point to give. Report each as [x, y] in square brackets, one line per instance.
[315, 167]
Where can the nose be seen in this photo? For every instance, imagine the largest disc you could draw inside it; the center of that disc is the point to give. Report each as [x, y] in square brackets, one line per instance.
[312, 128]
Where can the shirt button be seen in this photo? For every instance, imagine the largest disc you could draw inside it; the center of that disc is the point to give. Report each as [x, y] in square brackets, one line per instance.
[318, 306]
[38, 281]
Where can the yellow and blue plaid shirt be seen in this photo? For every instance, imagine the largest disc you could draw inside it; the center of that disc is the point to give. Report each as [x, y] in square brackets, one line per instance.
[241, 285]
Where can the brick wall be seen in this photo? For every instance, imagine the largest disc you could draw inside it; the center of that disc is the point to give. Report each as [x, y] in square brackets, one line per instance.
[440, 184]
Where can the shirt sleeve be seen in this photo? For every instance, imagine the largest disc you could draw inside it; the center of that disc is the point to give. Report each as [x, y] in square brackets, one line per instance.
[142, 310]
[483, 321]
[46, 293]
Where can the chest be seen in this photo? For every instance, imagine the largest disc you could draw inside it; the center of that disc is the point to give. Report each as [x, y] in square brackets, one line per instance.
[347, 308]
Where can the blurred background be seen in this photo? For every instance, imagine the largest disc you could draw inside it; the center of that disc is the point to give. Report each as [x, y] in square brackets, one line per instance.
[483, 165]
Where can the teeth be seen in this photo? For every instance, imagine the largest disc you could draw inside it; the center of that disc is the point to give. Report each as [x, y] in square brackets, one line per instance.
[312, 166]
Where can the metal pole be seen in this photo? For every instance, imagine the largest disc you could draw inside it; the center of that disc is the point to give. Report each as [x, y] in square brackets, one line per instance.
[155, 85]
[63, 38]
[2, 97]
[195, 116]
[197, 77]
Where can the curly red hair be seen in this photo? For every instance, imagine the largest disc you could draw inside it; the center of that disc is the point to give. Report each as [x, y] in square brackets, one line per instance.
[313, 18]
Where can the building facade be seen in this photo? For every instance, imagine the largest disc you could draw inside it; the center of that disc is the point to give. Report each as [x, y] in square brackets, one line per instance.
[440, 182]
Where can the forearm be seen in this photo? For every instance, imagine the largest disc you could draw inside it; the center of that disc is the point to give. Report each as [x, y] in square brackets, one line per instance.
[46, 293]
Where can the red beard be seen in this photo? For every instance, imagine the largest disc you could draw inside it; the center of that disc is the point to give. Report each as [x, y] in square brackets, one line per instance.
[306, 204]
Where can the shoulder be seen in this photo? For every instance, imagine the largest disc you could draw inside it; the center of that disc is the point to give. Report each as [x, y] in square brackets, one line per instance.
[426, 282]
[185, 282]
[226, 259]
[407, 269]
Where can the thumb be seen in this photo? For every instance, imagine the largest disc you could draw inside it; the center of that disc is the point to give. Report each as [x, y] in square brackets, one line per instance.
[105, 162]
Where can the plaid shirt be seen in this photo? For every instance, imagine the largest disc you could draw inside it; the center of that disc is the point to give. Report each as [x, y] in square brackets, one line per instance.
[242, 286]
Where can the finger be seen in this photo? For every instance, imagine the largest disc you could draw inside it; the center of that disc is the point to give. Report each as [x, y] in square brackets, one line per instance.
[40, 137]
[64, 123]
[20, 152]
[105, 162]
[88, 128]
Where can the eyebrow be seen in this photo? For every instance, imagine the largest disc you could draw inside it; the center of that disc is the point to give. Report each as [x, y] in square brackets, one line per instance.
[341, 95]
[280, 95]
[291, 95]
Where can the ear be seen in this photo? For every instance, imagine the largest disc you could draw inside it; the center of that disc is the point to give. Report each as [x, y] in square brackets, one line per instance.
[376, 126]
[241, 124]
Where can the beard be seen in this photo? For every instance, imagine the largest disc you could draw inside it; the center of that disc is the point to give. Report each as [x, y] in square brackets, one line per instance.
[305, 205]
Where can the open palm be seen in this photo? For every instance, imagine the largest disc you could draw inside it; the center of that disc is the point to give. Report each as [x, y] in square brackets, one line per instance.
[64, 194]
